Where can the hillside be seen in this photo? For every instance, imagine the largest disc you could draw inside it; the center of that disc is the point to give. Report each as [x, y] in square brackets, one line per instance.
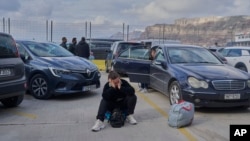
[203, 31]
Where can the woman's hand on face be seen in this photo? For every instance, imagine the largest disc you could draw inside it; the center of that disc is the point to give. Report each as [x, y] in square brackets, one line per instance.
[111, 82]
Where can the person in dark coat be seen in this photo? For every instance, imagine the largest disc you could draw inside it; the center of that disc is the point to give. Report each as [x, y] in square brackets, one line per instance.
[64, 42]
[117, 93]
[72, 47]
[82, 49]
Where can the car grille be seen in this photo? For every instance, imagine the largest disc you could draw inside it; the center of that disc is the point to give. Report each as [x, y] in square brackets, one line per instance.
[228, 84]
[86, 75]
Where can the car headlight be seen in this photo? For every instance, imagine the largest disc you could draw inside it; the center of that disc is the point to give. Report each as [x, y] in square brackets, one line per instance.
[58, 72]
[195, 83]
[248, 83]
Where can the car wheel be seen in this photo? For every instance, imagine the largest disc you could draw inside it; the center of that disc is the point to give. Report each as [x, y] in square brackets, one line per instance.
[39, 87]
[12, 101]
[174, 93]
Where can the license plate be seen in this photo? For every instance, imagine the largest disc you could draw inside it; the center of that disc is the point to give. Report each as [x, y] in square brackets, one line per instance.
[5, 72]
[88, 88]
[232, 96]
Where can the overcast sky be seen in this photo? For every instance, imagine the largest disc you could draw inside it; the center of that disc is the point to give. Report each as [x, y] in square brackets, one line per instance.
[133, 12]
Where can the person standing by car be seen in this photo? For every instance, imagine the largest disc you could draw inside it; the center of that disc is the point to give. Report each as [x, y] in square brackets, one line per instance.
[82, 49]
[64, 41]
[144, 86]
[72, 46]
[117, 93]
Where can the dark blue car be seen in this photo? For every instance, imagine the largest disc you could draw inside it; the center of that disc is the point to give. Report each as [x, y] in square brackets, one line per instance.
[52, 70]
[190, 73]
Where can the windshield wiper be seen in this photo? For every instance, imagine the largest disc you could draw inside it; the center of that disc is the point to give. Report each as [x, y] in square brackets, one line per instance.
[206, 62]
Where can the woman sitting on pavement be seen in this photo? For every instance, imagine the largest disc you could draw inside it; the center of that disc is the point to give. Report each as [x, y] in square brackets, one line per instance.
[117, 93]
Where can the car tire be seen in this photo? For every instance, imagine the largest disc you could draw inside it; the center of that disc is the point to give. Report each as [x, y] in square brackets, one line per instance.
[174, 93]
[39, 87]
[12, 101]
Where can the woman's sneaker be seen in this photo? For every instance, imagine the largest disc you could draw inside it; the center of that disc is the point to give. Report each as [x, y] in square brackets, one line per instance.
[145, 90]
[140, 89]
[98, 126]
[131, 119]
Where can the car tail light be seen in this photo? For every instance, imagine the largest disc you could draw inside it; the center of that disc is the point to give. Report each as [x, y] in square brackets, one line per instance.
[224, 60]
[17, 51]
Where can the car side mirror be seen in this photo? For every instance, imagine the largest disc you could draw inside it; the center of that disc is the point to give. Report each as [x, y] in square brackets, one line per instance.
[24, 58]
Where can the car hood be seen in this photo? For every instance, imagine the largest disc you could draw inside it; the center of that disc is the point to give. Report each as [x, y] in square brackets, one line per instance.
[213, 72]
[70, 63]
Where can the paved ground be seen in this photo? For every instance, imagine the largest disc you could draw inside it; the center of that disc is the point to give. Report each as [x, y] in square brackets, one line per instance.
[70, 118]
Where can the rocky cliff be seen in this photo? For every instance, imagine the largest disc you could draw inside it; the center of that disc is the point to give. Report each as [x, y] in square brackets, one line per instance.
[200, 31]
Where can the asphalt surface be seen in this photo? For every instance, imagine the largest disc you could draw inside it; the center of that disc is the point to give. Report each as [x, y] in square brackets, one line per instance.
[70, 118]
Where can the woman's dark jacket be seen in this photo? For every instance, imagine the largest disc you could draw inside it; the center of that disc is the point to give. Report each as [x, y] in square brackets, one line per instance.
[116, 95]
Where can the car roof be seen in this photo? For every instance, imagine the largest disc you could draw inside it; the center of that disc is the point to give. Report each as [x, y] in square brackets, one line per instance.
[179, 45]
[2, 33]
[238, 47]
[127, 42]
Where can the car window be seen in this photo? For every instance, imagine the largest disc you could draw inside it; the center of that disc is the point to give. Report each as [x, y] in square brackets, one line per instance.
[100, 44]
[113, 46]
[234, 53]
[123, 46]
[159, 55]
[7, 47]
[135, 53]
[224, 52]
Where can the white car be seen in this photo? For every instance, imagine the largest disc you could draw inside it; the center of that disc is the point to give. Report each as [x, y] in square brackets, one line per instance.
[238, 56]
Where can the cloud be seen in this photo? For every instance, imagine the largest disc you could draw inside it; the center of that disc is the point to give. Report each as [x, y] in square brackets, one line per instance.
[42, 8]
[241, 7]
[169, 10]
[119, 11]
[9, 5]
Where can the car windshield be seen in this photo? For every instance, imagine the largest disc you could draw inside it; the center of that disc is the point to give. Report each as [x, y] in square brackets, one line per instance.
[47, 49]
[191, 55]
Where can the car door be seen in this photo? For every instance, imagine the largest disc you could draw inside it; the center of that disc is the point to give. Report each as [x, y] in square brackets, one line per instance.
[159, 75]
[135, 62]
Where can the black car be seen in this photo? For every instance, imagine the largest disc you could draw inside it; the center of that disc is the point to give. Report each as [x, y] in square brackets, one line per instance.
[53, 70]
[116, 48]
[99, 48]
[194, 74]
[12, 76]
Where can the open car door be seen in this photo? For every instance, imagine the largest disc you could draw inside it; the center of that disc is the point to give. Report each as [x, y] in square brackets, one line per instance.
[135, 62]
